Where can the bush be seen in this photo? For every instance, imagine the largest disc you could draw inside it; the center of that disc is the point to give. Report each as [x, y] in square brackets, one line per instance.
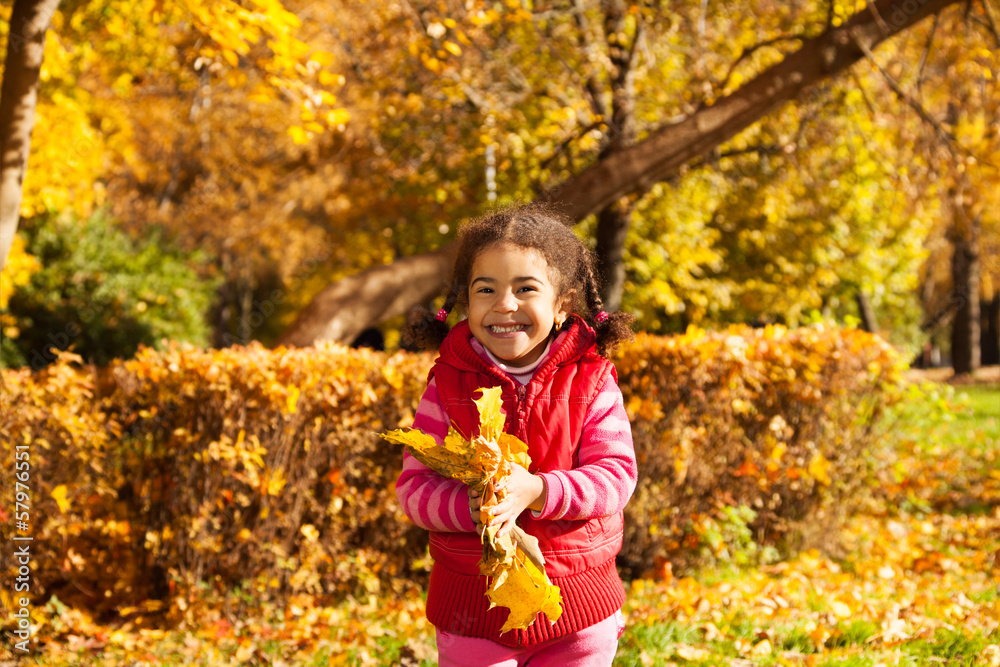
[781, 422]
[262, 468]
[103, 294]
[236, 466]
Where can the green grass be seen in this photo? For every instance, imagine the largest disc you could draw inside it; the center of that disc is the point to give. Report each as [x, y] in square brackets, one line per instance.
[933, 417]
[854, 661]
[855, 634]
[978, 421]
[985, 596]
[952, 646]
[795, 639]
[657, 639]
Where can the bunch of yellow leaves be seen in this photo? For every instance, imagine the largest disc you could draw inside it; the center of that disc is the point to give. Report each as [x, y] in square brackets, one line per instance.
[513, 563]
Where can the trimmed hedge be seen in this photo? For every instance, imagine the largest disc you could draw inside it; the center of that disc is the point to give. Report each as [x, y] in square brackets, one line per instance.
[780, 425]
[156, 476]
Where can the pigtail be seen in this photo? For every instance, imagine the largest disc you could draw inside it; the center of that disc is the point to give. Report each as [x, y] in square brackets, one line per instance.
[425, 330]
[612, 328]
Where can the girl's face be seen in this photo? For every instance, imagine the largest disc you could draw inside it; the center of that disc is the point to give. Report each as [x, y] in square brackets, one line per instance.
[512, 303]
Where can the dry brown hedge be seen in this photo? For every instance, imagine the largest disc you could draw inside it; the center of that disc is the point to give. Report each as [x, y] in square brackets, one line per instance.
[179, 472]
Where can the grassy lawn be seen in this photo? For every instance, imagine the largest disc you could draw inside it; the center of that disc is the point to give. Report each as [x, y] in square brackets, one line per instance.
[915, 583]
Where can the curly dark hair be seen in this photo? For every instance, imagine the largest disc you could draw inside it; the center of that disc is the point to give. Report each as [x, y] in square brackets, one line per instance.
[571, 266]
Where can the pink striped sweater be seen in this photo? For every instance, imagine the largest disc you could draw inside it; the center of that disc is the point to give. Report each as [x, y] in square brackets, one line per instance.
[599, 486]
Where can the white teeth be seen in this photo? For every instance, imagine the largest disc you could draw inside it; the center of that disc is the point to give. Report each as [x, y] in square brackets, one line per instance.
[496, 329]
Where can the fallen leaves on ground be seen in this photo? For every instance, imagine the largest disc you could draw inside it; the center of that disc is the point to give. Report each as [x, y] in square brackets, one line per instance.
[907, 580]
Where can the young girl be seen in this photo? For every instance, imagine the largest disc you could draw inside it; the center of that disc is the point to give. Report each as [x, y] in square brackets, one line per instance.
[528, 287]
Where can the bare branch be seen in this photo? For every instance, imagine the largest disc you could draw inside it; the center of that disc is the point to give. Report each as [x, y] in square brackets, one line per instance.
[926, 52]
[747, 52]
[882, 25]
[991, 17]
[565, 144]
[547, 14]
[864, 94]
[640, 35]
[351, 304]
[749, 150]
[592, 86]
[914, 104]
[415, 15]
[471, 94]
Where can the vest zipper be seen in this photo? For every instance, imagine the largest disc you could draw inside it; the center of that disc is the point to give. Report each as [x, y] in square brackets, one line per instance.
[521, 425]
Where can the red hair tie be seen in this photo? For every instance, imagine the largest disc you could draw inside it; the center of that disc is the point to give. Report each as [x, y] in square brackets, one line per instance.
[442, 315]
[601, 317]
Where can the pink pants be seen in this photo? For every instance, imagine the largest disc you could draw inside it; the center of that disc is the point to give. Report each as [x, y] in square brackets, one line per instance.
[591, 647]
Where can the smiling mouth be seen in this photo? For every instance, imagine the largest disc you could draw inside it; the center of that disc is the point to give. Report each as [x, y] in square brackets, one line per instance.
[503, 330]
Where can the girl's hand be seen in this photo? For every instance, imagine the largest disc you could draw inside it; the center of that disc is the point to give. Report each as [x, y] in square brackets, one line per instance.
[524, 491]
[475, 506]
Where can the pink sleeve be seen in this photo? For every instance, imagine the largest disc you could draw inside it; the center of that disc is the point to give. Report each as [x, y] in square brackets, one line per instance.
[606, 475]
[432, 501]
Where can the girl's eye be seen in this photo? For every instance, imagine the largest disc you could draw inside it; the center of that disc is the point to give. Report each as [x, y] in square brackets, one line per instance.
[526, 289]
[484, 290]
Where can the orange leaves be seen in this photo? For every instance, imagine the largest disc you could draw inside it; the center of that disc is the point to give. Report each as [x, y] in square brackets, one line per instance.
[783, 416]
[513, 562]
[118, 441]
[258, 463]
[747, 468]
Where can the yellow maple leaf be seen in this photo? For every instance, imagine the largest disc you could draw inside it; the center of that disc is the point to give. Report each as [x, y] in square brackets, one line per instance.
[491, 417]
[59, 493]
[513, 563]
[453, 458]
[525, 589]
[512, 449]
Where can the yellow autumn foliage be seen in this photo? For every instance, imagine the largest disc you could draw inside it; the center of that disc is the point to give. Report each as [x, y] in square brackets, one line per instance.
[16, 272]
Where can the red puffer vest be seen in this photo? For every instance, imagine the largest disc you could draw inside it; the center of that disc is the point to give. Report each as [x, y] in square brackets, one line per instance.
[548, 414]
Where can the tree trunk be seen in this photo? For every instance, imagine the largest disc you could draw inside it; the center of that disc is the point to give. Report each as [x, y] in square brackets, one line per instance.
[990, 333]
[866, 312]
[343, 310]
[29, 21]
[615, 219]
[613, 223]
[340, 313]
[965, 272]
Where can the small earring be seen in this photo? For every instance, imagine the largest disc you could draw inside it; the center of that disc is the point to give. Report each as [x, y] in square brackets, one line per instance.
[558, 325]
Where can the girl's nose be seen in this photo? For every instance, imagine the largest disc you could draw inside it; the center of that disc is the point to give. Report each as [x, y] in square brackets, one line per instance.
[505, 302]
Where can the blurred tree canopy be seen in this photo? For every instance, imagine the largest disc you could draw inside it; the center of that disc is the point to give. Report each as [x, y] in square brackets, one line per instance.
[299, 144]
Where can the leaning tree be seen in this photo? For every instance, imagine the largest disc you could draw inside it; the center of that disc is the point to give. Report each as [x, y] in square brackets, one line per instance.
[624, 168]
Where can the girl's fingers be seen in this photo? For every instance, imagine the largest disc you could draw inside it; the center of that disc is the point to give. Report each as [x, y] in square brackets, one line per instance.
[499, 516]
